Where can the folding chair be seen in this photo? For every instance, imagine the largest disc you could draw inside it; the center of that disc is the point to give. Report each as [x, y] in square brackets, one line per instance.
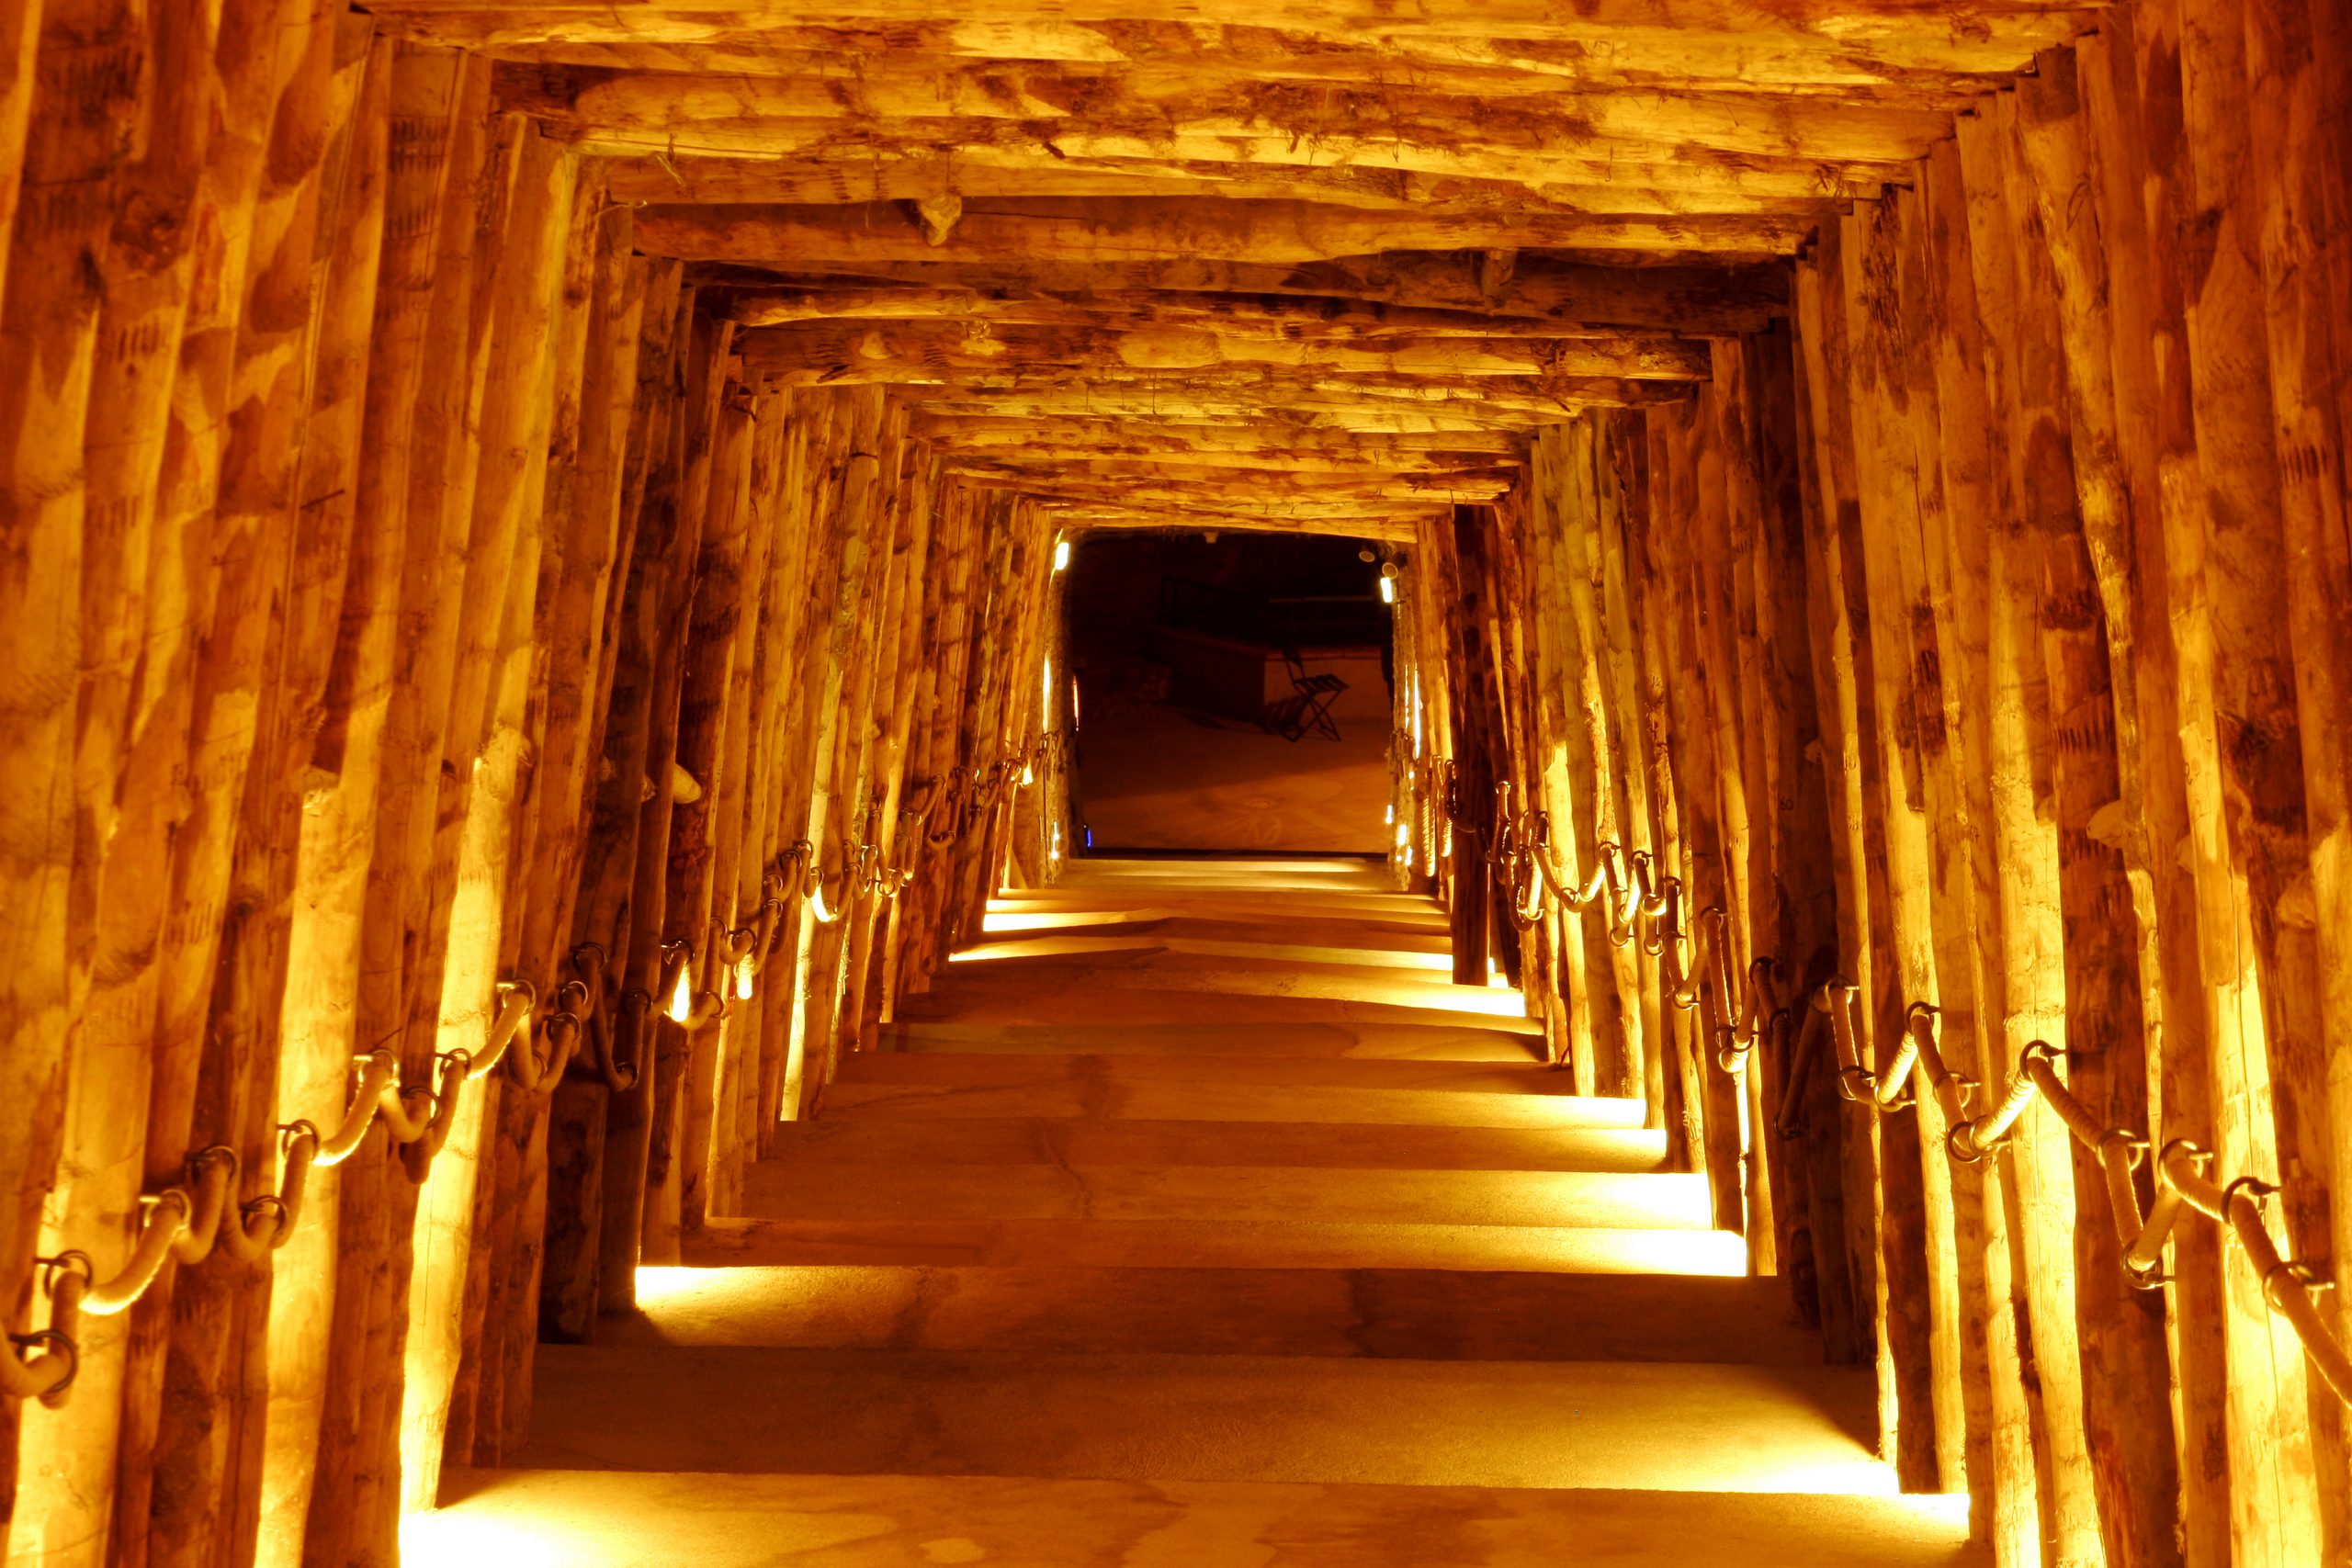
[1308, 708]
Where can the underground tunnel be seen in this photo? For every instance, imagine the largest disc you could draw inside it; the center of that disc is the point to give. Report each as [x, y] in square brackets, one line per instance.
[1090, 784]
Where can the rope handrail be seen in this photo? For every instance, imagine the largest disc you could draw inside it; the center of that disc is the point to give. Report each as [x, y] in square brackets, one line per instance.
[2181, 1185]
[191, 1220]
[1641, 905]
[960, 799]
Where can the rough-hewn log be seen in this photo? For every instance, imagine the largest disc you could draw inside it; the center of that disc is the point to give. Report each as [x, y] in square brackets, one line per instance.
[1041, 30]
[83, 72]
[1696, 300]
[1979, 529]
[826, 354]
[826, 166]
[260, 676]
[1130, 228]
[744, 44]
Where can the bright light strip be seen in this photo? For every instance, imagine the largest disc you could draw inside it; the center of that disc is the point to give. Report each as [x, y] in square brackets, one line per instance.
[1062, 555]
[1389, 591]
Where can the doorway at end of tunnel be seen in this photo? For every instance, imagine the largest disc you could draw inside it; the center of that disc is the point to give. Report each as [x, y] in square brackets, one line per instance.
[1233, 693]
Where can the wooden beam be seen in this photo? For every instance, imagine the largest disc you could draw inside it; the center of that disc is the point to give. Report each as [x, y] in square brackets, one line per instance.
[1227, 315]
[1042, 28]
[1762, 57]
[834, 353]
[1131, 229]
[1301, 411]
[1397, 523]
[1167, 107]
[1147, 478]
[1251, 441]
[1556, 291]
[821, 162]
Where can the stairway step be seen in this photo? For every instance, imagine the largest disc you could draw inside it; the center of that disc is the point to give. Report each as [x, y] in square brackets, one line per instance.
[779, 1190]
[1143, 982]
[1362, 1093]
[1429, 1315]
[1400, 1041]
[1268, 950]
[1366, 912]
[1381, 937]
[599, 1519]
[817, 1149]
[1338, 874]
[1217, 1244]
[1161, 1417]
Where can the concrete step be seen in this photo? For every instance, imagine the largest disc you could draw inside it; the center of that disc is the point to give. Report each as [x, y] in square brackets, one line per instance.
[1170, 1088]
[523, 1519]
[816, 1150]
[1401, 1042]
[1163, 1417]
[783, 1190]
[1416, 1314]
[1303, 1243]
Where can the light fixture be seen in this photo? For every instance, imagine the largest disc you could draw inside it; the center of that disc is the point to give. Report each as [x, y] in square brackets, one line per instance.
[1062, 555]
[746, 970]
[677, 987]
[1389, 591]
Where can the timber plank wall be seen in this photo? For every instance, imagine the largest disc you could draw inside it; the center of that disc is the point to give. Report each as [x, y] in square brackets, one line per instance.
[529, 622]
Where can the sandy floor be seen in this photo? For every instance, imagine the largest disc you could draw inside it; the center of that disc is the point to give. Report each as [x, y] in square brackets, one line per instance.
[1156, 778]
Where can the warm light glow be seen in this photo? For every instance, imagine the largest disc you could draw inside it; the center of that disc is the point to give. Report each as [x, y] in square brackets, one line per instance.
[1389, 591]
[745, 972]
[1388, 814]
[1062, 555]
[682, 996]
[1404, 834]
[1045, 699]
[1002, 918]
[454, 1539]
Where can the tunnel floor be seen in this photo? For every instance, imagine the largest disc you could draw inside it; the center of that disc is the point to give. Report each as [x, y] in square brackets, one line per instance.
[1198, 1218]
[1232, 787]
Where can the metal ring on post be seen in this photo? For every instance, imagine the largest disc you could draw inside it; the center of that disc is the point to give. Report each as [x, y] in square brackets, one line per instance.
[58, 1340]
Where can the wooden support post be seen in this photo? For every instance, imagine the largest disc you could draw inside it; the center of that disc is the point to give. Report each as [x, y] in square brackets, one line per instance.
[1889, 1233]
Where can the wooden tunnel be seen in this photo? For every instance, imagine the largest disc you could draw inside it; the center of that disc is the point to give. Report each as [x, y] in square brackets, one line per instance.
[530, 629]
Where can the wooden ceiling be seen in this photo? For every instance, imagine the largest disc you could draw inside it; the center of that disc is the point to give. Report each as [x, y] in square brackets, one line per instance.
[1306, 263]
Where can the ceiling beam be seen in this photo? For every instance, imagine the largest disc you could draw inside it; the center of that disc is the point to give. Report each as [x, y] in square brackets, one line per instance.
[1270, 317]
[1760, 57]
[1536, 287]
[813, 354]
[1515, 401]
[795, 165]
[1299, 411]
[1024, 28]
[1166, 109]
[1242, 442]
[1126, 228]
